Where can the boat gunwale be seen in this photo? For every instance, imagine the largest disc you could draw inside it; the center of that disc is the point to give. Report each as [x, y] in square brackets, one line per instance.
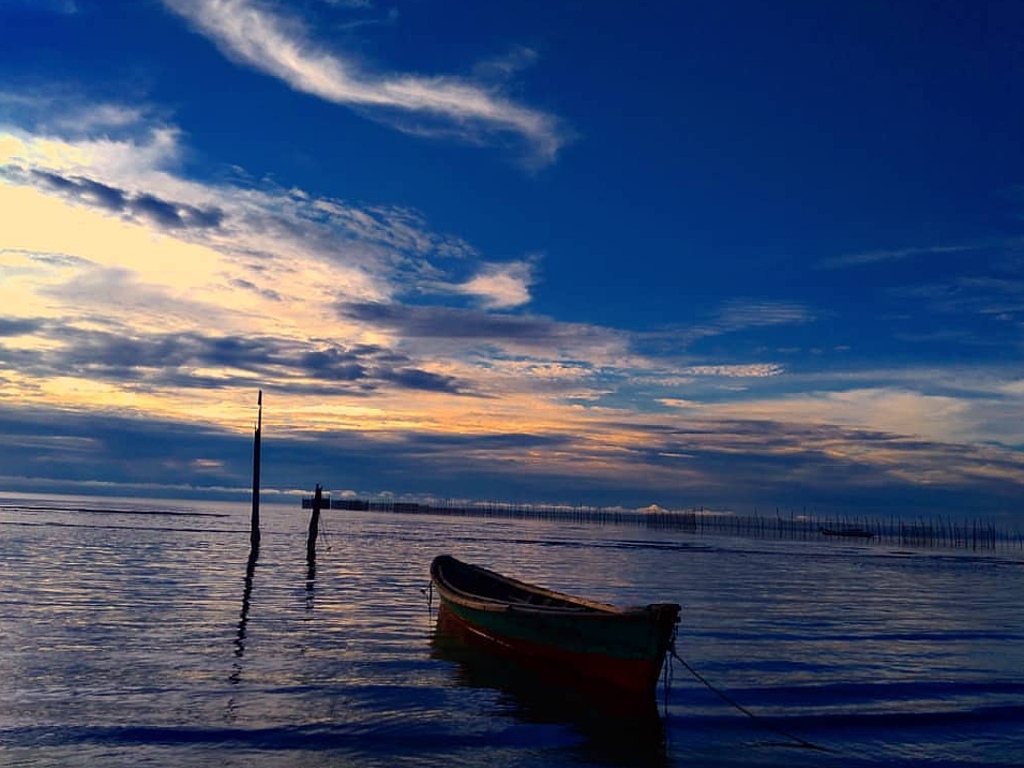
[578, 607]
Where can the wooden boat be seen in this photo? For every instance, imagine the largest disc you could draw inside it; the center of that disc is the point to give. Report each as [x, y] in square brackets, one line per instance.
[573, 640]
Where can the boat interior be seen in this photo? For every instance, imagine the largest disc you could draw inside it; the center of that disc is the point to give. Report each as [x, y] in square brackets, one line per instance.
[481, 583]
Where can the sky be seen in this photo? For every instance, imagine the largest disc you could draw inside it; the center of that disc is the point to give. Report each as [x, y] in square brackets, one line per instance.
[719, 253]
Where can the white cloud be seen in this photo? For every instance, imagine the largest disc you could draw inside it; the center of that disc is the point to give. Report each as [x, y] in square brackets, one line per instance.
[500, 286]
[282, 47]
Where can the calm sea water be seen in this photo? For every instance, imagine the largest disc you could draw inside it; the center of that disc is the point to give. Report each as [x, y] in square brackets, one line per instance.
[131, 635]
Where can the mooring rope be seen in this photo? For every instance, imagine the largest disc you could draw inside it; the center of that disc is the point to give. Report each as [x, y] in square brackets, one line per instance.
[733, 703]
[322, 531]
[667, 676]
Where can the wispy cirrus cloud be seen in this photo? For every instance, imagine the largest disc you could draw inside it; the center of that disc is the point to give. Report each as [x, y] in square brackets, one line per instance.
[283, 47]
[755, 370]
[504, 67]
[888, 255]
[733, 316]
[63, 7]
[738, 314]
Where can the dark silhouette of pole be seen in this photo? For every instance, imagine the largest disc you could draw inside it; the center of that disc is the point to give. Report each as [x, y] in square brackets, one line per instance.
[314, 527]
[254, 533]
[243, 616]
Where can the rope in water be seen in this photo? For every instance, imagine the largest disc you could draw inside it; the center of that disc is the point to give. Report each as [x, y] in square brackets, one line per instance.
[733, 703]
[322, 531]
[668, 676]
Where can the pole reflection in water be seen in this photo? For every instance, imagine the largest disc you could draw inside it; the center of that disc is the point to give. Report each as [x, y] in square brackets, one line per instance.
[250, 571]
[311, 537]
[310, 581]
[614, 731]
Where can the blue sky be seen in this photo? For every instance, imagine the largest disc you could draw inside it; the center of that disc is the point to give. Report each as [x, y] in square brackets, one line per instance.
[730, 254]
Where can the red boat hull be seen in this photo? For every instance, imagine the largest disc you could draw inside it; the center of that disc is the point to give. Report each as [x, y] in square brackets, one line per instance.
[589, 671]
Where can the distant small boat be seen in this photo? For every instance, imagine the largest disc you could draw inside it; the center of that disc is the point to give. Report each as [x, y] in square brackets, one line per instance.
[847, 531]
[573, 640]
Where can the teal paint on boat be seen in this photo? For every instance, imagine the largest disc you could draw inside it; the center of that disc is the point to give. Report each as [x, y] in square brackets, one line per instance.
[622, 636]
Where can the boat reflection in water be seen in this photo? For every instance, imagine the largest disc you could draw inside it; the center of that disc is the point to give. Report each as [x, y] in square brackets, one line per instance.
[615, 729]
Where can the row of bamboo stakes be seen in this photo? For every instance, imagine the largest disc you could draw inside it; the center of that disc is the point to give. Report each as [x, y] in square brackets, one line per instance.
[935, 532]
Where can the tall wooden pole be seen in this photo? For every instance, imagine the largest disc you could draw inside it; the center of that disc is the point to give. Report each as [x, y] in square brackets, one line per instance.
[254, 533]
[314, 526]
